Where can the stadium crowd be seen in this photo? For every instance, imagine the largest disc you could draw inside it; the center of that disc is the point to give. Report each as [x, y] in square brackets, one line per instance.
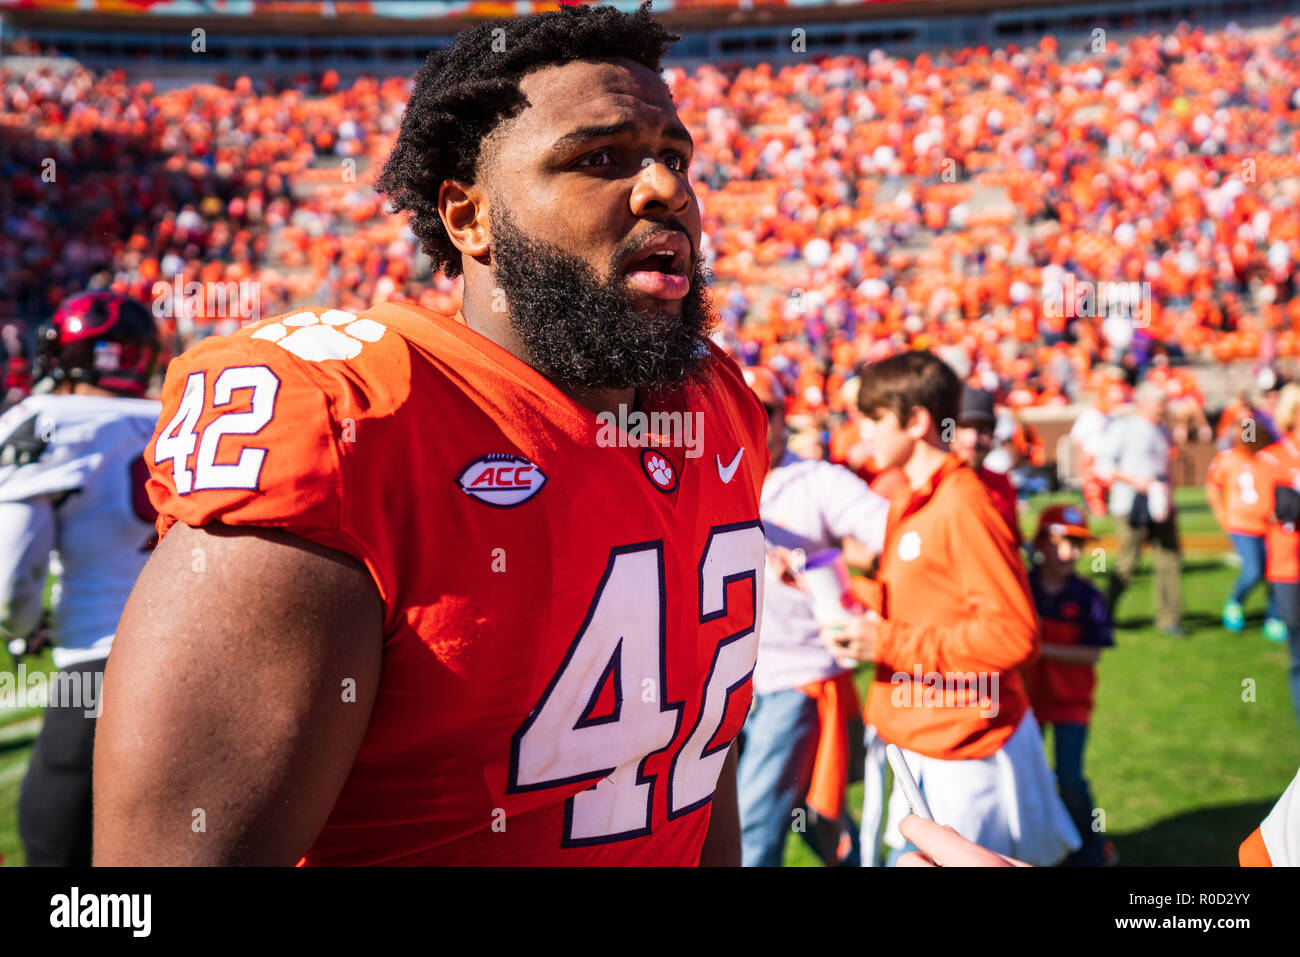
[852, 208]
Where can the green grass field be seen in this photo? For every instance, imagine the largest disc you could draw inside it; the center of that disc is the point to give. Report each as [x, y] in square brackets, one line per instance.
[18, 729]
[1182, 766]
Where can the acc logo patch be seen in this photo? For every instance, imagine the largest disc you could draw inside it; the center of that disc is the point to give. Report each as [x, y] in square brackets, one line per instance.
[909, 546]
[501, 480]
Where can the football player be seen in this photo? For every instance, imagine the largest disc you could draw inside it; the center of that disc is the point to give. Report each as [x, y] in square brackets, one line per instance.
[413, 603]
[72, 485]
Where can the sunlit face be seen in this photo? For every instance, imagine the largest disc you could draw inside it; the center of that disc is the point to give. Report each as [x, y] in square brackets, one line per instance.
[972, 442]
[1061, 553]
[1153, 410]
[597, 167]
[891, 443]
[595, 230]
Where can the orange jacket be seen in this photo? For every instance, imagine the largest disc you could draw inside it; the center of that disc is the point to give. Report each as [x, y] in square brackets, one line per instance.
[890, 484]
[958, 614]
[1240, 491]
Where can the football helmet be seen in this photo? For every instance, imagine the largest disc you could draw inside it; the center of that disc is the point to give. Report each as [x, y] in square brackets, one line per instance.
[104, 339]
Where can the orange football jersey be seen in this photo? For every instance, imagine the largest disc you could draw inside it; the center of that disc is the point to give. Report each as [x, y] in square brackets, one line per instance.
[1241, 484]
[569, 618]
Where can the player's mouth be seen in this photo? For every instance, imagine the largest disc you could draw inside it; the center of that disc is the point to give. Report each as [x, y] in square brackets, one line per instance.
[661, 268]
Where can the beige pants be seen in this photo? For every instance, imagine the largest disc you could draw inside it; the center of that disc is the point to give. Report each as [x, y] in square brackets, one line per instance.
[1166, 558]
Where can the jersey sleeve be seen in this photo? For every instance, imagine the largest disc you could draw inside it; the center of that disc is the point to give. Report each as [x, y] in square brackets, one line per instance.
[32, 463]
[1276, 842]
[246, 437]
[26, 539]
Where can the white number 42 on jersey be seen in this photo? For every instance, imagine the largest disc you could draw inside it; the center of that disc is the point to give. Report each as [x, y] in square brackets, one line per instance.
[623, 638]
[176, 442]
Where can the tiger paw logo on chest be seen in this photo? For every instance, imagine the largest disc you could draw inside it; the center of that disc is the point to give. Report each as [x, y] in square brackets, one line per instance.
[659, 470]
[501, 480]
[334, 334]
[909, 546]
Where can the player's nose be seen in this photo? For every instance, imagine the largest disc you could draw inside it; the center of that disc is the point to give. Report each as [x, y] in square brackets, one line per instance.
[659, 189]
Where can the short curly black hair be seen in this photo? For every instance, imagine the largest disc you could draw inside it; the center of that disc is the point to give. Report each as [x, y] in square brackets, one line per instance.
[464, 91]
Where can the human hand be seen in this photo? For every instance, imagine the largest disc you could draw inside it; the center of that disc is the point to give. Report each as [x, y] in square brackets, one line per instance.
[1143, 485]
[943, 847]
[788, 563]
[853, 641]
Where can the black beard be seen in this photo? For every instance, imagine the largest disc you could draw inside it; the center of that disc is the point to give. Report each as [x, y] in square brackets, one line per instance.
[587, 334]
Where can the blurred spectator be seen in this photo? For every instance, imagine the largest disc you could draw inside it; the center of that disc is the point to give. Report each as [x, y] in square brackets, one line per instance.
[1062, 683]
[1134, 457]
[972, 440]
[802, 695]
[1282, 537]
[1239, 493]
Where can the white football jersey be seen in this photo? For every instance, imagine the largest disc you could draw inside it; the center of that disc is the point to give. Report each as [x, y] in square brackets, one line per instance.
[72, 489]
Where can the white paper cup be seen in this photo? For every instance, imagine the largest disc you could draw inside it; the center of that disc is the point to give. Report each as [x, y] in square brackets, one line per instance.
[825, 578]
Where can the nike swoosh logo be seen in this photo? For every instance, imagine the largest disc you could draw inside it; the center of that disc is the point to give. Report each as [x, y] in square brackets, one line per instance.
[727, 472]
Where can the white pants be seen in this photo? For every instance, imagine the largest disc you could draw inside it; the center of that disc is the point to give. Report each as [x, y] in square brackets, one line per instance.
[1006, 802]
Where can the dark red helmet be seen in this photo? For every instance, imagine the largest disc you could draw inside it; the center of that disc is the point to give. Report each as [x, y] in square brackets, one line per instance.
[104, 339]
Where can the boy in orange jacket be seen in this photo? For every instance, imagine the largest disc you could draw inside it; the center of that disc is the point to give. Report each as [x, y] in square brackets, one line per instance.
[954, 627]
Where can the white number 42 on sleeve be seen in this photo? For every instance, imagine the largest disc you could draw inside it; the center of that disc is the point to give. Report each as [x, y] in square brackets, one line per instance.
[176, 442]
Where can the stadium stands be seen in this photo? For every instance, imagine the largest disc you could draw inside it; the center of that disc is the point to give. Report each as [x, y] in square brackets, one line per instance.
[854, 205]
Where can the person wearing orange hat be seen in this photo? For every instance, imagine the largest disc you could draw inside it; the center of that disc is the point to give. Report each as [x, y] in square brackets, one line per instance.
[795, 750]
[1076, 626]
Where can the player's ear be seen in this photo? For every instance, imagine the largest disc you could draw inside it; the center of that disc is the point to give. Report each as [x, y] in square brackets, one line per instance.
[918, 422]
[463, 209]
